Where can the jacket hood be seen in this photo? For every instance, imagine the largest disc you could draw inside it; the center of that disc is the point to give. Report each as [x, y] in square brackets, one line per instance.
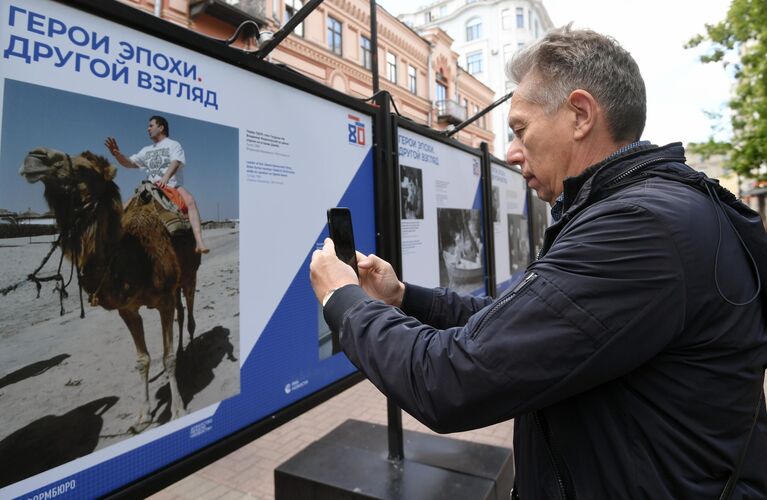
[604, 178]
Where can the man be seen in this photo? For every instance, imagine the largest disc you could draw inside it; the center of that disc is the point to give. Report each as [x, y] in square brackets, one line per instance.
[632, 352]
[163, 161]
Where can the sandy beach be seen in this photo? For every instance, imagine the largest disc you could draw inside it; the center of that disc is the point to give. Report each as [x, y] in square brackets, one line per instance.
[68, 386]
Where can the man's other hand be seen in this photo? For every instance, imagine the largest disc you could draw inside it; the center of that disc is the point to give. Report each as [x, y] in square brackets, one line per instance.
[379, 280]
[327, 272]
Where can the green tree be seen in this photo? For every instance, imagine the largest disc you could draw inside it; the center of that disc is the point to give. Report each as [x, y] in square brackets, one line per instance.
[742, 35]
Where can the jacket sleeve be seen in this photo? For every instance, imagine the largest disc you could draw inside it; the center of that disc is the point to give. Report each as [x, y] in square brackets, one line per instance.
[607, 297]
[440, 307]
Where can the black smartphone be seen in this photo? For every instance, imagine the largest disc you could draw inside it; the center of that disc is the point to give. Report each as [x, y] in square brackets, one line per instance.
[340, 226]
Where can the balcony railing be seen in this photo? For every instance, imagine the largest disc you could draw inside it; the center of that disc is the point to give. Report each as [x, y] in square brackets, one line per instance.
[450, 111]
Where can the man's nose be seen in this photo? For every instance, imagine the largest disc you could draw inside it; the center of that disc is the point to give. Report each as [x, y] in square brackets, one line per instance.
[514, 154]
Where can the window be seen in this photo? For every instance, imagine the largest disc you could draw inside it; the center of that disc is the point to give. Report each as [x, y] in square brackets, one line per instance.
[391, 67]
[520, 17]
[334, 35]
[474, 62]
[291, 7]
[473, 29]
[537, 29]
[412, 84]
[481, 120]
[367, 61]
[443, 11]
[508, 51]
[440, 93]
[506, 19]
[427, 17]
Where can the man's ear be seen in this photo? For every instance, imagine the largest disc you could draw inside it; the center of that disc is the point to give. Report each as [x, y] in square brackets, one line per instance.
[585, 109]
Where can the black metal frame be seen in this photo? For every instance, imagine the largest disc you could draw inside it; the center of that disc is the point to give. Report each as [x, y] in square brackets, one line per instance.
[149, 24]
[487, 200]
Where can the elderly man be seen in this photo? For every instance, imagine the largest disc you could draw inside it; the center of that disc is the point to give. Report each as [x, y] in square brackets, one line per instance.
[632, 352]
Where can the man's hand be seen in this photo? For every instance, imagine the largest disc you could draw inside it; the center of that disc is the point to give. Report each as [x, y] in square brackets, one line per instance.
[161, 184]
[379, 280]
[327, 272]
[112, 146]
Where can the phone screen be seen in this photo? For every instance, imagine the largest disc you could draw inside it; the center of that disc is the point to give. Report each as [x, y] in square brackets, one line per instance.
[340, 226]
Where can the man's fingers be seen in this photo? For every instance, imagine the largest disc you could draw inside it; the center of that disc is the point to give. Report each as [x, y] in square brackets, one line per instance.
[371, 261]
[363, 261]
[329, 246]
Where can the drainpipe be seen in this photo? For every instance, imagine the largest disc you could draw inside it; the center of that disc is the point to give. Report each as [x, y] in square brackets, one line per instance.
[157, 8]
[429, 83]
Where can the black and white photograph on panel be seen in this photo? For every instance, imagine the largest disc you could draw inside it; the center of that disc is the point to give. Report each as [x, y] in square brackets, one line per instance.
[460, 249]
[539, 222]
[519, 243]
[411, 192]
[496, 206]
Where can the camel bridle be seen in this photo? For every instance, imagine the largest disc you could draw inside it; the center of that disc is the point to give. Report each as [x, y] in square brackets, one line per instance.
[68, 240]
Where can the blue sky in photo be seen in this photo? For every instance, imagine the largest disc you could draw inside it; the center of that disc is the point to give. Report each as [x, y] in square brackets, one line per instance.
[36, 116]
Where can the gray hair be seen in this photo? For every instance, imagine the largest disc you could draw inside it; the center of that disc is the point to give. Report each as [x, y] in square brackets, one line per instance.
[565, 60]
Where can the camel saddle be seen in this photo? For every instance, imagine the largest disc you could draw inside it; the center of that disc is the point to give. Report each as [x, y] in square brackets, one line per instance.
[170, 214]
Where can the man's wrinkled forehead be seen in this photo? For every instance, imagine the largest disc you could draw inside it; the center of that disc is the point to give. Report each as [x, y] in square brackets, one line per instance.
[519, 107]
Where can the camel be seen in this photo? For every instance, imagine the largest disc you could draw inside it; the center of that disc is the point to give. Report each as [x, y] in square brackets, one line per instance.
[125, 258]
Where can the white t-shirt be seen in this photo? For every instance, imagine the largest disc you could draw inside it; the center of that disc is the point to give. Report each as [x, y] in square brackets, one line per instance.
[155, 159]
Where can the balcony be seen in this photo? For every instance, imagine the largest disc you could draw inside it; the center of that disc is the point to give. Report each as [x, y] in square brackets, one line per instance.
[450, 111]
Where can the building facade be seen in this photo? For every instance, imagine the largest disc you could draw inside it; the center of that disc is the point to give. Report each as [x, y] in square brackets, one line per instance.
[486, 33]
[333, 46]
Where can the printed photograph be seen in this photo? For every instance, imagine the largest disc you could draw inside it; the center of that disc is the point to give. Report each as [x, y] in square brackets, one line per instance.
[411, 192]
[119, 285]
[519, 243]
[460, 249]
[496, 204]
[540, 210]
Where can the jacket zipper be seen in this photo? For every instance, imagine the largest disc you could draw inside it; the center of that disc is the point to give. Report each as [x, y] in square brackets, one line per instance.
[505, 300]
[547, 444]
[633, 169]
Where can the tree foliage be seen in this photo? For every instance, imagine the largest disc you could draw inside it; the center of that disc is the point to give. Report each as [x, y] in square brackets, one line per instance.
[742, 34]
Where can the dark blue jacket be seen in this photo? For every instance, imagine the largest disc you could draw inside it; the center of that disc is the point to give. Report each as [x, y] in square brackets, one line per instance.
[622, 354]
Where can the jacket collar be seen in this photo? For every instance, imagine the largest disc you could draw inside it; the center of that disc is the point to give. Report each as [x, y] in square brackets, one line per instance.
[578, 190]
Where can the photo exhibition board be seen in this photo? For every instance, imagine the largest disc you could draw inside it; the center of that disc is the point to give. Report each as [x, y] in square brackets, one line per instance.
[263, 162]
[509, 210]
[441, 210]
[540, 219]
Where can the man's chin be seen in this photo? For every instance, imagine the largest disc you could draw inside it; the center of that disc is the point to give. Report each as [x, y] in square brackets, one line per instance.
[532, 183]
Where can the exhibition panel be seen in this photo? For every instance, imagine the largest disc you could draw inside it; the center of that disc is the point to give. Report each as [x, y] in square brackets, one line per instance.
[509, 214]
[540, 219]
[441, 211]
